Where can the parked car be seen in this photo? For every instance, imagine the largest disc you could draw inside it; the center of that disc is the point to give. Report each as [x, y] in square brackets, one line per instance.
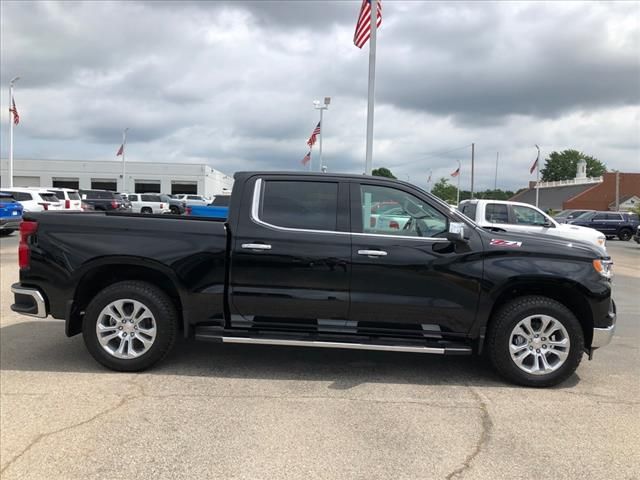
[34, 199]
[176, 207]
[566, 215]
[104, 200]
[518, 217]
[219, 208]
[70, 198]
[612, 224]
[10, 214]
[192, 199]
[148, 203]
[298, 264]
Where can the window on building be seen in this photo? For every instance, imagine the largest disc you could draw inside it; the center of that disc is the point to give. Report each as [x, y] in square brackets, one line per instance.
[66, 183]
[299, 204]
[147, 186]
[184, 188]
[104, 184]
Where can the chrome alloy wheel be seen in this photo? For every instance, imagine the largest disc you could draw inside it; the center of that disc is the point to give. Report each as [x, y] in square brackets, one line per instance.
[539, 344]
[126, 328]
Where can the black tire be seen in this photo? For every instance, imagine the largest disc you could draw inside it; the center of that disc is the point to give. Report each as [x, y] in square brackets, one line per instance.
[625, 234]
[506, 319]
[160, 306]
[146, 210]
[174, 210]
[6, 233]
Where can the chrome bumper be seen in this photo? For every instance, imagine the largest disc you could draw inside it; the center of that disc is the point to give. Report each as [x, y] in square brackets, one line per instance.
[602, 336]
[34, 305]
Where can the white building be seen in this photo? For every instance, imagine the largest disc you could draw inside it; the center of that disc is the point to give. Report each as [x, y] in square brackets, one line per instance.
[141, 177]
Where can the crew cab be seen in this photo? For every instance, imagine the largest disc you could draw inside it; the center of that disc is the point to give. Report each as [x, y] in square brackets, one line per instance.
[299, 263]
[611, 224]
[148, 203]
[102, 200]
[68, 197]
[219, 208]
[503, 216]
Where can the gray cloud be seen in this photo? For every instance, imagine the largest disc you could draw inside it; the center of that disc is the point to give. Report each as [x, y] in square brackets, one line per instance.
[231, 83]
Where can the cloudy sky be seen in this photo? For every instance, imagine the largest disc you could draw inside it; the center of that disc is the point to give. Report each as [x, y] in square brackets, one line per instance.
[232, 83]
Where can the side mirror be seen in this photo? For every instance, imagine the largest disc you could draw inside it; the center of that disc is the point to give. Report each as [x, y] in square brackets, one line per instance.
[456, 232]
[548, 224]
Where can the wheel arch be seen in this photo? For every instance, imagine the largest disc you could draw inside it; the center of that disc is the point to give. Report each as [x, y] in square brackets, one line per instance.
[107, 271]
[566, 292]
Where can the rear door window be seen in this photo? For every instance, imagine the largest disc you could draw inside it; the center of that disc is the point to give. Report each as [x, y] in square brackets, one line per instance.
[469, 209]
[496, 213]
[527, 216]
[300, 204]
[73, 195]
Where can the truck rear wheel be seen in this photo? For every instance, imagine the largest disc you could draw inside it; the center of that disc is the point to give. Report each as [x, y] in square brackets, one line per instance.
[625, 234]
[129, 326]
[535, 341]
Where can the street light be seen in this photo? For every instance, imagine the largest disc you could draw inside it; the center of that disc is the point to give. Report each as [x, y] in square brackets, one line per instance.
[13, 80]
[318, 106]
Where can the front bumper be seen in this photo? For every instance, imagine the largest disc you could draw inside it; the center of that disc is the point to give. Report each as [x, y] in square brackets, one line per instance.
[28, 301]
[603, 336]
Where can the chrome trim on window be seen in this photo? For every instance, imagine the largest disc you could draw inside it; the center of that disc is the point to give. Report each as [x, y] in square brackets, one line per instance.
[255, 209]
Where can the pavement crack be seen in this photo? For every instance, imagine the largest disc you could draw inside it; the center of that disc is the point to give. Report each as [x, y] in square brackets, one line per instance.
[485, 434]
[39, 438]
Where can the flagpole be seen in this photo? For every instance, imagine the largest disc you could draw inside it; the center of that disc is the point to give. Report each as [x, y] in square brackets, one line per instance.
[12, 116]
[372, 75]
[537, 176]
[458, 192]
[124, 169]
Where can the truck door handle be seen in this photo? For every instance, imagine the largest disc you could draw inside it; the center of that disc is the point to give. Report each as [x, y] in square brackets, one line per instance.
[373, 253]
[256, 246]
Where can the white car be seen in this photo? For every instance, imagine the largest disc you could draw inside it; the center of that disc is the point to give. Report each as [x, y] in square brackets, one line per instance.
[147, 203]
[192, 199]
[524, 218]
[70, 198]
[35, 199]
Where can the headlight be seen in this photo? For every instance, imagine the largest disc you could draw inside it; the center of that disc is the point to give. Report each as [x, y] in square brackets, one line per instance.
[601, 240]
[603, 267]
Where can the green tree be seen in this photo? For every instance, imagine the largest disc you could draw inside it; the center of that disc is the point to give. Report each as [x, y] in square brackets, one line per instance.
[563, 166]
[444, 190]
[382, 172]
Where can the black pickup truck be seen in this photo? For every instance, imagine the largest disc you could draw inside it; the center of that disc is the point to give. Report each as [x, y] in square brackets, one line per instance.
[318, 260]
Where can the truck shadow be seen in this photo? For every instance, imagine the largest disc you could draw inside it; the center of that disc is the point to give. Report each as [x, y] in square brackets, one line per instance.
[42, 346]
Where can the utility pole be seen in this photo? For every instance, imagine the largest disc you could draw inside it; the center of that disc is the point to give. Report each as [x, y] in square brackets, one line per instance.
[537, 176]
[473, 150]
[124, 168]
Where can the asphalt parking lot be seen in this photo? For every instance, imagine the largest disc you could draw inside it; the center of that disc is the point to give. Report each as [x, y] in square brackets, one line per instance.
[236, 411]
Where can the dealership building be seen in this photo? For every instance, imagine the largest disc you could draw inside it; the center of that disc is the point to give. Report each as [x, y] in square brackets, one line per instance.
[140, 177]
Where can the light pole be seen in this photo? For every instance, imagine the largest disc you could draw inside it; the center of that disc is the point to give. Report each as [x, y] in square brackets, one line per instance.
[318, 106]
[11, 103]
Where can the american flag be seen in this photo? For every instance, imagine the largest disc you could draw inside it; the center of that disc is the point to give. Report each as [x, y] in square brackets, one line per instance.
[456, 172]
[120, 150]
[14, 110]
[314, 136]
[363, 26]
[535, 164]
[306, 159]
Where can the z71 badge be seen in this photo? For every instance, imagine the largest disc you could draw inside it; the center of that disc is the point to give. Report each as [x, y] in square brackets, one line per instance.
[496, 242]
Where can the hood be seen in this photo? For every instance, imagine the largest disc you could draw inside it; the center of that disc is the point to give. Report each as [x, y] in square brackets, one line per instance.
[569, 227]
[544, 244]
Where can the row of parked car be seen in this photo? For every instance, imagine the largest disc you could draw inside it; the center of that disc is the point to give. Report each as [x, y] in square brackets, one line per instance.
[16, 200]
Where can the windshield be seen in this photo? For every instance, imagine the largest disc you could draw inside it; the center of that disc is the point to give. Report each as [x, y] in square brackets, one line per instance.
[584, 216]
[564, 213]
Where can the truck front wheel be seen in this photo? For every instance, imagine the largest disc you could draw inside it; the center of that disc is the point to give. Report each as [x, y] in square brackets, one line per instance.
[535, 341]
[129, 326]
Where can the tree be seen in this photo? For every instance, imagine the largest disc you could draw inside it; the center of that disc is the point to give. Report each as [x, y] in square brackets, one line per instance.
[444, 190]
[563, 166]
[382, 172]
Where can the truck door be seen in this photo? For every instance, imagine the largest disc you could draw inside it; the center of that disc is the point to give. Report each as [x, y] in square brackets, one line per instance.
[407, 278]
[291, 256]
